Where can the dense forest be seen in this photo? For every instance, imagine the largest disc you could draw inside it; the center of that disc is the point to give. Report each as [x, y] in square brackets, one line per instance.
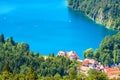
[108, 52]
[106, 12]
[18, 62]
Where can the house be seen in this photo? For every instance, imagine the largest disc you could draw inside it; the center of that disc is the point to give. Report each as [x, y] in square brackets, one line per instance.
[62, 53]
[100, 68]
[113, 72]
[72, 55]
[91, 63]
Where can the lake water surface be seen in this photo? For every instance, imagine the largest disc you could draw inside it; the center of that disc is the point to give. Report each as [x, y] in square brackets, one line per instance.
[49, 26]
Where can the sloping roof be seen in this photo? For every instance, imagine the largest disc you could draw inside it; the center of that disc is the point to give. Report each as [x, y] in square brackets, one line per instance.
[88, 61]
[113, 69]
[72, 53]
[62, 53]
[113, 72]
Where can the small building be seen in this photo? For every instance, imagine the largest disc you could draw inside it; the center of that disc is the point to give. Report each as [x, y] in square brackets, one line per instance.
[91, 63]
[100, 68]
[62, 53]
[112, 73]
[72, 55]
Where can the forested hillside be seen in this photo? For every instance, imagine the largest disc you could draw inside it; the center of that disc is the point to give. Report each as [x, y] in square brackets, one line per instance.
[105, 12]
[17, 62]
[19, 59]
[109, 51]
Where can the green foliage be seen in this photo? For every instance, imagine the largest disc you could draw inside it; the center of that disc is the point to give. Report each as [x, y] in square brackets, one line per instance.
[72, 73]
[31, 75]
[88, 53]
[2, 38]
[6, 68]
[96, 75]
[17, 62]
[106, 12]
[6, 76]
[16, 59]
[109, 51]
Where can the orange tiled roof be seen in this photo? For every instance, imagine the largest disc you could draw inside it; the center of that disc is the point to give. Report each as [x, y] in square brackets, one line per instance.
[87, 61]
[112, 72]
[112, 69]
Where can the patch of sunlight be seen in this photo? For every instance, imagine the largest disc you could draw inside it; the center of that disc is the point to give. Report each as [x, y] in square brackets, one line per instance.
[6, 9]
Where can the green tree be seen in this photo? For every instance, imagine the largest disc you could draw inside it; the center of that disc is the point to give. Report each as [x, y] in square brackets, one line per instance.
[11, 41]
[72, 73]
[31, 75]
[81, 76]
[116, 54]
[6, 76]
[96, 75]
[57, 76]
[6, 73]
[25, 47]
[20, 76]
[2, 38]
[7, 68]
[97, 54]
[88, 53]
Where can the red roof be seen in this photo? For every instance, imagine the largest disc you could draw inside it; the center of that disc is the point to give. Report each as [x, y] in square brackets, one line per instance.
[85, 62]
[112, 72]
[88, 61]
[112, 69]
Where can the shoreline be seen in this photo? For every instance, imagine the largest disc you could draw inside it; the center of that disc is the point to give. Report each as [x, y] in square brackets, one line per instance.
[96, 22]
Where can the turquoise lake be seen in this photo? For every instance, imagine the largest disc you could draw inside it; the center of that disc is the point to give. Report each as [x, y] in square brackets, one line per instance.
[49, 26]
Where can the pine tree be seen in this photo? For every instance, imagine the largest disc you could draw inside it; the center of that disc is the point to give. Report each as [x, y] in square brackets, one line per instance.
[2, 38]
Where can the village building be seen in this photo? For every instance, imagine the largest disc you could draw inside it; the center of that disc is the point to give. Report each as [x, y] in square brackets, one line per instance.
[71, 55]
[87, 64]
[112, 73]
[91, 63]
[62, 53]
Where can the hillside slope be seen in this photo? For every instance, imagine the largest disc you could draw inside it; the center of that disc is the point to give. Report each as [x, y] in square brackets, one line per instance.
[18, 62]
[108, 52]
[106, 12]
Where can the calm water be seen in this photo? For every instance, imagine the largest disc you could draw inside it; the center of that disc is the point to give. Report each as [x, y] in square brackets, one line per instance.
[49, 26]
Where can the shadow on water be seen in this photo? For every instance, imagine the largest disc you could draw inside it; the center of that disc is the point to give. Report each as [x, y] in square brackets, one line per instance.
[79, 17]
